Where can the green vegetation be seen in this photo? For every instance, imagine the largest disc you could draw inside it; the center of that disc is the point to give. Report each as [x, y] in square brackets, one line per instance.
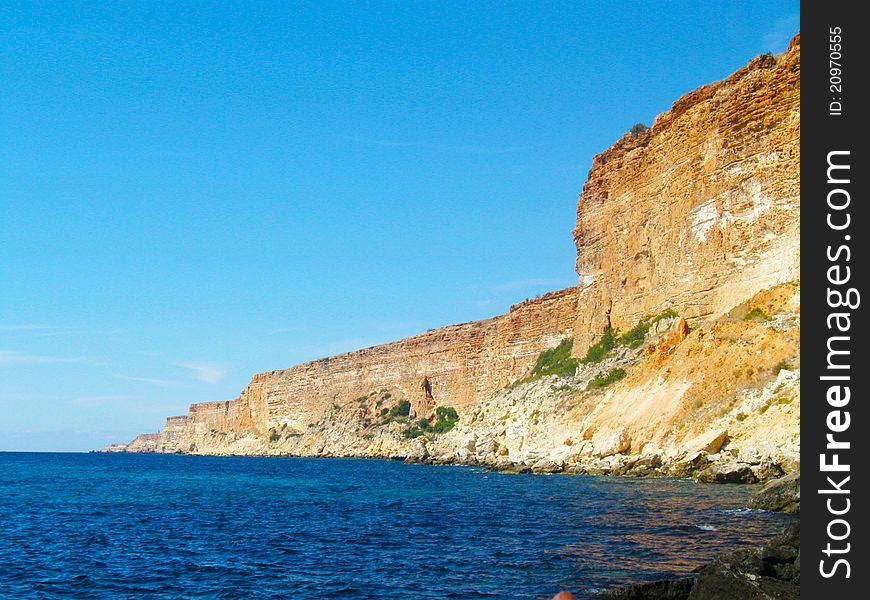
[446, 418]
[398, 412]
[637, 129]
[413, 432]
[756, 314]
[603, 381]
[600, 349]
[782, 399]
[274, 436]
[555, 361]
[336, 407]
[362, 399]
[293, 434]
[634, 337]
[402, 408]
[783, 365]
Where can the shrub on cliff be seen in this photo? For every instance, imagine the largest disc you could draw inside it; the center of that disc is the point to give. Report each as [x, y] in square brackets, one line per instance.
[635, 337]
[756, 314]
[555, 361]
[402, 408]
[445, 419]
[637, 129]
[600, 349]
[413, 432]
[605, 380]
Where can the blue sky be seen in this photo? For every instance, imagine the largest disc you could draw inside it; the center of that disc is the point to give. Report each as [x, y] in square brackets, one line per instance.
[194, 192]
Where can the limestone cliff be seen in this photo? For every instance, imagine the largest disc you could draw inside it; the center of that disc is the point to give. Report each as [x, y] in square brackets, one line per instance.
[684, 328]
[700, 211]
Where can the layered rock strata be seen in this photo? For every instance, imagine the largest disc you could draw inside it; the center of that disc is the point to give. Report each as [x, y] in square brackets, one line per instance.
[694, 220]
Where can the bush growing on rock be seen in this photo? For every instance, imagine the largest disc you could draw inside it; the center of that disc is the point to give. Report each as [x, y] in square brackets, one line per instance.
[605, 380]
[637, 129]
[401, 409]
[756, 314]
[555, 361]
[446, 418]
[599, 350]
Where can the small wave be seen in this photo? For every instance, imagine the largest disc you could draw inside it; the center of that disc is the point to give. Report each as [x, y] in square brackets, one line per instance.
[743, 511]
[707, 527]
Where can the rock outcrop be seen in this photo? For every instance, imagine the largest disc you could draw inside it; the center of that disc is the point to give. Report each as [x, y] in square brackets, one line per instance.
[683, 333]
[780, 495]
[768, 573]
[698, 212]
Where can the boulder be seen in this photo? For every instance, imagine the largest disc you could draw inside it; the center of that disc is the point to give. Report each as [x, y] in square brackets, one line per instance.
[607, 442]
[781, 495]
[709, 442]
[668, 589]
[771, 572]
[727, 472]
[690, 464]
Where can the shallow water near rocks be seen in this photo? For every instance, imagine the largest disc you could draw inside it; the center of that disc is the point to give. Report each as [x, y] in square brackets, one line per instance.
[165, 526]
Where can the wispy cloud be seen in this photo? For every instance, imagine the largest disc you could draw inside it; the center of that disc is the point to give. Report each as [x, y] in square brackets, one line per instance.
[439, 146]
[207, 372]
[28, 327]
[150, 380]
[32, 330]
[95, 401]
[776, 40]
[11, 357]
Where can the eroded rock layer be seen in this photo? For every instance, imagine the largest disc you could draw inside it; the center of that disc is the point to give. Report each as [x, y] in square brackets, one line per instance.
[700, 211]
[688, 253]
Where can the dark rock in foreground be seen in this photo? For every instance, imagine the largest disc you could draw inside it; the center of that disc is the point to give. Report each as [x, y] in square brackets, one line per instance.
[781, 495]
[668, 589]
[768, 573]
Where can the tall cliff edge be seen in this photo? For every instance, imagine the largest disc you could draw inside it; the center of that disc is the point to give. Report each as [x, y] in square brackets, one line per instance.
[684, 327]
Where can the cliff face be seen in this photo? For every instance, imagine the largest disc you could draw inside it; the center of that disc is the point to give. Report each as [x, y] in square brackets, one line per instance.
[700, 211]
[694, 220]
[458, 364]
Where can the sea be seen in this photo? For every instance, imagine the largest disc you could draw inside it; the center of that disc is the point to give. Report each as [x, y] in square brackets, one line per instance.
[171, 526]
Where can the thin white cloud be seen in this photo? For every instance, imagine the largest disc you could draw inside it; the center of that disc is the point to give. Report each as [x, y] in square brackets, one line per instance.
[11, 357]
[29, 327]
[207, 372]
[95, 401]
[33, 330]
[150, 380]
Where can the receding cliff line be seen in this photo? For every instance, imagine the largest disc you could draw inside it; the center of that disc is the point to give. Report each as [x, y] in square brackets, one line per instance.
[461, 363]
[687, 237]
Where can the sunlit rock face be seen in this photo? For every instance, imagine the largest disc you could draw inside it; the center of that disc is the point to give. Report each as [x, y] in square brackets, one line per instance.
[694, 220]
[699, 212]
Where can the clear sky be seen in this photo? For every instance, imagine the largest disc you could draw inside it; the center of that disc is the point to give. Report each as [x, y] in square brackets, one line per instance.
[193, 192]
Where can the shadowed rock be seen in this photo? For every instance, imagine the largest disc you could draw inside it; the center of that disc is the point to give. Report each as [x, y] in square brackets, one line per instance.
[781, 495]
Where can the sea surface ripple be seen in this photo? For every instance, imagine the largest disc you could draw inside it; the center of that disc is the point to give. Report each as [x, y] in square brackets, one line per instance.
[165, 526]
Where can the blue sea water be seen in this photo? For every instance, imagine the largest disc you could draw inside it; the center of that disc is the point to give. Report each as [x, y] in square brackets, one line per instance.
[158, 526]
